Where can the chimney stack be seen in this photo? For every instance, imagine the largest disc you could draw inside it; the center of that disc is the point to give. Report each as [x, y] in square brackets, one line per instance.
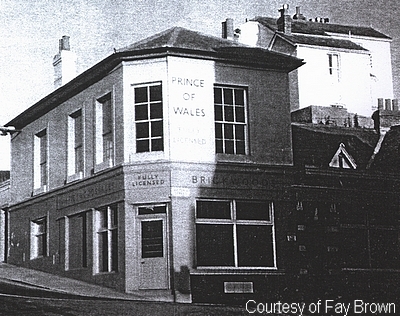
[64, 63]
[227, 29]
[285, 21]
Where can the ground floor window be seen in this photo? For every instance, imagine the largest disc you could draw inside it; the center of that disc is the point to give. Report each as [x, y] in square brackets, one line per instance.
[39, 238]
[349, 235]
[107, 238]
[235, 233]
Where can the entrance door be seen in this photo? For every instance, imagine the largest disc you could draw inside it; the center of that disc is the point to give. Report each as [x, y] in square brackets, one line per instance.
[153, 248]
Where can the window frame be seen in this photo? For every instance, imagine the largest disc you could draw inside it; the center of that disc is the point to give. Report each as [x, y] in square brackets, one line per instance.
[41, 162]
[235, 223]
[106, 255]
[39, 236]
[151, 122]
[76, 145]
[224, 123]
[104, 138]
[334, 66]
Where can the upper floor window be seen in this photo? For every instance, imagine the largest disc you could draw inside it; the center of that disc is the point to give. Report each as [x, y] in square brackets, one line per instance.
[149, 118]
[75, 143]
[334, 66]
[235, 233]
[104, 131]
[230, 120]
[40, 160]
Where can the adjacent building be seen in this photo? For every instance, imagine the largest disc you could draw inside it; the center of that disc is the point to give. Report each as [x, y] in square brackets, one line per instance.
[348, 66]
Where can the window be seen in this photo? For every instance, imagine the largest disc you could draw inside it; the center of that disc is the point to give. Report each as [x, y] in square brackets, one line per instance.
[107, 238]
[40, 160]
[104, 131]
[235, 234]
[75, 143]
[370, 235]
[39, 238]
[334, 66]
[149, 118]
[230, 120]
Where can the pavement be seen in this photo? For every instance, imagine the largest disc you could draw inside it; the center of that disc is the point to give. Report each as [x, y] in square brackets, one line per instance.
[58, 284]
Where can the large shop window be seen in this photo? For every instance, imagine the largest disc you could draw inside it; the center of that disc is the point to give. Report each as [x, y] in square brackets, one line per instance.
[371, 236]
[38, 238]
[149, 118]
[230, 120]
[235, 234]
[107, 234]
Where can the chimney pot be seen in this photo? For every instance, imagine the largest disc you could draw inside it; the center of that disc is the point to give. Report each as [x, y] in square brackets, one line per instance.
[395, 103]
[299, 15]
[380, 104]
[64, 43]
[388, 104]
[227, 29]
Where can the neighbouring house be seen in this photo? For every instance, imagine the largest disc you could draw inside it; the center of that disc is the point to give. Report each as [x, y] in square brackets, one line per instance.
[347, 66]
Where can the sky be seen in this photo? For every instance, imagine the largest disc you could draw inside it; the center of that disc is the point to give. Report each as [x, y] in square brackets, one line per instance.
[30, 31]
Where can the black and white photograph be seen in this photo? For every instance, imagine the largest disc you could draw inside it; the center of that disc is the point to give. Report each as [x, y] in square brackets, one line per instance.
[199, 157]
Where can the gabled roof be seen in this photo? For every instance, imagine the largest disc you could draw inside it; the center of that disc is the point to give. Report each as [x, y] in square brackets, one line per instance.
[342, 159]
[175, 41]
[316, 28]
[316, 144]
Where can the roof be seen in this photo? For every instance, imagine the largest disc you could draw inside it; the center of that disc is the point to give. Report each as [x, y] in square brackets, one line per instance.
[175, 41]
[322, 41]
[388, 157]
[316, 144]
[317, 28]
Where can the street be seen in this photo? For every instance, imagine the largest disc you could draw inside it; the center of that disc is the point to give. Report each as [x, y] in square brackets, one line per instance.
[22, 300]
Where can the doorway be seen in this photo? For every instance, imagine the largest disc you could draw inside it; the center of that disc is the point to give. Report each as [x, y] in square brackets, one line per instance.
[153, 247]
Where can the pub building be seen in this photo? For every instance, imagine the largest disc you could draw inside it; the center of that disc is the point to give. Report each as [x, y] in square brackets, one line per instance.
[167, 169]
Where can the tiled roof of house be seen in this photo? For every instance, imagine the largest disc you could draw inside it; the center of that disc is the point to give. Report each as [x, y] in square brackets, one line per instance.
[316, 144]
[316, 28]
[188, 40]
[322, 41]
[179, 37]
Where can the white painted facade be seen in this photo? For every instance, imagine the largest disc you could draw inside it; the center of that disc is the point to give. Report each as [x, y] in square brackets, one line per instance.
[364, 75]
[348, 88]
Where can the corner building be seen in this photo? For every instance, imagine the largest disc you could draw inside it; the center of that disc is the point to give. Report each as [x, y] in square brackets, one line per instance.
[163, 167]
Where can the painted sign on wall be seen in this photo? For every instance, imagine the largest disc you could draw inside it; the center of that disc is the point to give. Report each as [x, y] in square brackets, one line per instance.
[191, 113]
